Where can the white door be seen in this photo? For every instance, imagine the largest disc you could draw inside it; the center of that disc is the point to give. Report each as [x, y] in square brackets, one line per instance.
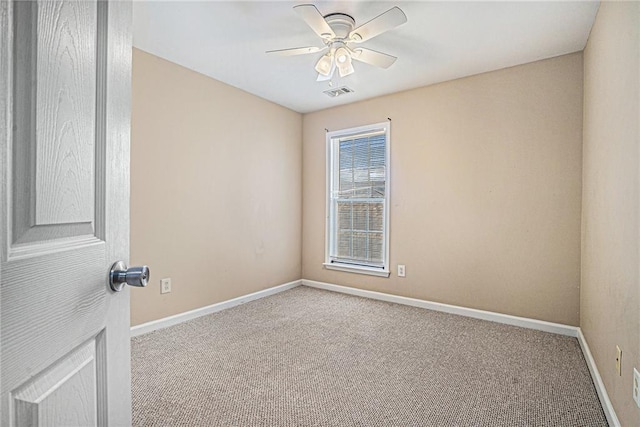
[65, 69]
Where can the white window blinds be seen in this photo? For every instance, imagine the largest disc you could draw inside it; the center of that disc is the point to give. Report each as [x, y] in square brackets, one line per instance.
[358, 199]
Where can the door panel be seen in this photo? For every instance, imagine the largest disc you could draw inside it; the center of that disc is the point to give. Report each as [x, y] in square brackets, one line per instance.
[65, 104]
[65, 123]
[64, 395]
[57, 132]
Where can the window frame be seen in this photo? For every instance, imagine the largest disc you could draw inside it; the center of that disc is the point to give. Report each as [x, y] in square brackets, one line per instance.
[332, 139]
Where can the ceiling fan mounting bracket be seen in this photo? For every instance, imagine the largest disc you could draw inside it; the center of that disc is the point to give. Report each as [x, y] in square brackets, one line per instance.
[341, 24]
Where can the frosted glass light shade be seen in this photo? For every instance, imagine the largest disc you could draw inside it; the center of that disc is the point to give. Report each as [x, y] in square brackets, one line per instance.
[323, 66]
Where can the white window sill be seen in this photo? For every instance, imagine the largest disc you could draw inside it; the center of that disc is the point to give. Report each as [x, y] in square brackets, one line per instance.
[357, 269]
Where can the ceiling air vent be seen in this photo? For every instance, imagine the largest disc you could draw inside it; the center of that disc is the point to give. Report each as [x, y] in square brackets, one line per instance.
[337, 92]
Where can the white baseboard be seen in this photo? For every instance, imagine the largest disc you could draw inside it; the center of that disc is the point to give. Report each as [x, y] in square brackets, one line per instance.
[203, 311]
[524, 322]
[597, 381]
[556, 328]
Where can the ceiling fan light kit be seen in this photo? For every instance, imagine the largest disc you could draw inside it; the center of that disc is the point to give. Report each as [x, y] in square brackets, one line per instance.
[337, 31]
[341, 55]
[324, 64]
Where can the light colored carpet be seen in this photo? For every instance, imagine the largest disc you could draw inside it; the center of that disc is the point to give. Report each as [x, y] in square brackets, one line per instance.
[307, 357]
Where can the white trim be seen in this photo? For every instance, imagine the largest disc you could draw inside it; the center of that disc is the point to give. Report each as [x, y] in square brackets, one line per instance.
[203, 311]
[332, 158]
[524, 322]
[607, 407]
[357, 269]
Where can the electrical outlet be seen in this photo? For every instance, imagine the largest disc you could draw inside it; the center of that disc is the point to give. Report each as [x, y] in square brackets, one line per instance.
[636, 386]
[165, 285]
[401, 270]
[618, 361]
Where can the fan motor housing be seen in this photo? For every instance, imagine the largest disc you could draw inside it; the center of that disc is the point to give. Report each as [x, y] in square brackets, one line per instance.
[341, 24]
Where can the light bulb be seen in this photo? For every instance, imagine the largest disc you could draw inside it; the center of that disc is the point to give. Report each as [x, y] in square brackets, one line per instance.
[342, 55]
[343, 59]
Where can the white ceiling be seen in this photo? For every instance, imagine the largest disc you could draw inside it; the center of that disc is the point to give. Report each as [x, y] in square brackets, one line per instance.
[440, 41]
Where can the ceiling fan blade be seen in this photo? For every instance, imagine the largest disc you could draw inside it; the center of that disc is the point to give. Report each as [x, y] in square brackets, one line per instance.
[378, 25]
[315, 20]
[373, 57]
[296, 51]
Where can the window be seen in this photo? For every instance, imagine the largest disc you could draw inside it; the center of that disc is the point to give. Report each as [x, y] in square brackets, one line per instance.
[358, 200]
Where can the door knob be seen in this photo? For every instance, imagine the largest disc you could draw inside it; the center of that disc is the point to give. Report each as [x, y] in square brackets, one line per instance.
[120, 275]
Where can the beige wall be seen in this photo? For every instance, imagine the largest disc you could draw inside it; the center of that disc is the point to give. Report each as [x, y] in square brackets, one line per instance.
[488, 182]
[610, 293]
[486, 190]
[215, 189]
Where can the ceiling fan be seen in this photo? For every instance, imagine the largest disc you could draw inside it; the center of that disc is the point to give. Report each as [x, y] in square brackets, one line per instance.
[341, 38]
